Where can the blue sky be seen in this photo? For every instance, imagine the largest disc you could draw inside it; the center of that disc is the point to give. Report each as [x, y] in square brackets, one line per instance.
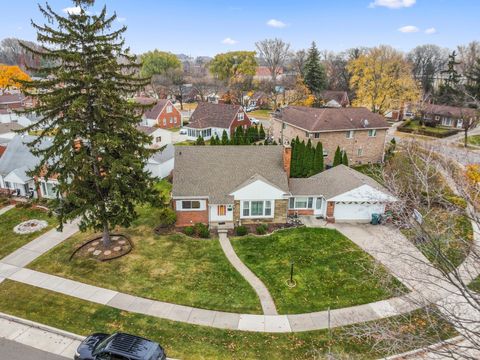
[207, 27]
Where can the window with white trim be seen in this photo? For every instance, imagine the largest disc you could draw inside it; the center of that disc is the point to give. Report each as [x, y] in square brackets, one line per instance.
[165, 121]
[240, 116]
[169, 109]
[316, 135]
[359, 152]
[301, 202]
[190, 205]
[372, 132]
[158, 139]
[349, 134]
[257, 209]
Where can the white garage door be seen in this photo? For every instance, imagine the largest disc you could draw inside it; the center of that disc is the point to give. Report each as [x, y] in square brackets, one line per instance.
[357, 211]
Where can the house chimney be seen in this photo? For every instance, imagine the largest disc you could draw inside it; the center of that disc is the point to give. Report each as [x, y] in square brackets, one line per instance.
[287, 158]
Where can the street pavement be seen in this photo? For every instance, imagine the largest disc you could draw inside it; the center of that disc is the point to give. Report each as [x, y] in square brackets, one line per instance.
[11, 350]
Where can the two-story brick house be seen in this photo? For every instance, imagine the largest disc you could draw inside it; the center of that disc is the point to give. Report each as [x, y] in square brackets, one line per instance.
[163, 114]
[356, 130]
[212, 119]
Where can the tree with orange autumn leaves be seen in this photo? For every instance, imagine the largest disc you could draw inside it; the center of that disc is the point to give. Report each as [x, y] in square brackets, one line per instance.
[9, 76]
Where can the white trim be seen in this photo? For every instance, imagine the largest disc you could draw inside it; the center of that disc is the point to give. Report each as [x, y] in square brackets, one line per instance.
[202, 205]
[272, 208]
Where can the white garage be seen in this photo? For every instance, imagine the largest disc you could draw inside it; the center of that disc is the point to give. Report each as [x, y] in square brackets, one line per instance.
[353, 211]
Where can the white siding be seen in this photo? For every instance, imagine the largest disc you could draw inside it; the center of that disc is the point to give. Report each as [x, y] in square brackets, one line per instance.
[357, 211]
[214, 217]
[258, 190]
[160, 170]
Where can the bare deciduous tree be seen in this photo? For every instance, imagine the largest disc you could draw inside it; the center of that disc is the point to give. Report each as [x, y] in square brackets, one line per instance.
[274, 52]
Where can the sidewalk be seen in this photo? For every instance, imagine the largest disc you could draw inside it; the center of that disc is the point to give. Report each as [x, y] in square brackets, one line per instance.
[39, 336]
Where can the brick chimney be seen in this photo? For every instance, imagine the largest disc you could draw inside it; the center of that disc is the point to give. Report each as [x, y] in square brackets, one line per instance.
[287, 158]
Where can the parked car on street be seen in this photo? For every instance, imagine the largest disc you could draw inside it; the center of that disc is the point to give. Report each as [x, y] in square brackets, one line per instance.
[255, 121]
[119, 346]
[183, 132]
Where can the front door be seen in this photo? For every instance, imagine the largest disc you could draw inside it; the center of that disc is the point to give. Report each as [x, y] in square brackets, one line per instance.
[318, 206]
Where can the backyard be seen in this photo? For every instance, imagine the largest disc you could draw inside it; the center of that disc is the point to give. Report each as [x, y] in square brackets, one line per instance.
[198, 342]
[173, 268]
[415, 127]
[330, 271]
[11, 241]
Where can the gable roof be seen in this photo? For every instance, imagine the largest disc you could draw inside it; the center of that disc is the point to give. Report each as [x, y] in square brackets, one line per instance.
[331, 119]
[328, 184]
[18, 157]
[217, 171]
[164, 154]
[148, 130]
[446, 110]
[157, 109]
[341, 97]
[213, 115]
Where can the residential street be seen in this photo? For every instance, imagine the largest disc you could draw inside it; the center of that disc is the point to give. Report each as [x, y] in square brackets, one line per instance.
[11, 350]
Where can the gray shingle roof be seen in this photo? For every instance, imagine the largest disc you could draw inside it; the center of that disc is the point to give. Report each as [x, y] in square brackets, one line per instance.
[216, 171]
[164, 155]
[332, 182]
[18, 156]
[156, 110]
[9, 127]
[213, 115]
[331, 119]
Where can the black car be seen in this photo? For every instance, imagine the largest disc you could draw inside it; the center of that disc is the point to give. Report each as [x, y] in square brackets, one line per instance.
[118, 346]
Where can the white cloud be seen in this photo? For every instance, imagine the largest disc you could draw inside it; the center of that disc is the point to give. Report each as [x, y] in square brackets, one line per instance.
[229, 41]
[276, 23]
[74, 10]
[409, 29]
[121, 19]
[393, 4]
[430, 31]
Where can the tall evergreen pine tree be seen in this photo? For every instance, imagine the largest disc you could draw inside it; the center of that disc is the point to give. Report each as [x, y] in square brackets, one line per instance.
[261, 132]
[345, 158]
[97, 155]
[337, 159]
[225, 140]
[200, 140]
[314, 73]
[318, 159]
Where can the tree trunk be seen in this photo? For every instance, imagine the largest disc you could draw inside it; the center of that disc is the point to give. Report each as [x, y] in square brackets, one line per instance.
[106, 235]
[465, 137]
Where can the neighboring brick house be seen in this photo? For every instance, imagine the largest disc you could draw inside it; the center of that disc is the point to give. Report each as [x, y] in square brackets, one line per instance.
[163, 114]
[212, 119]
[12, 101]
[234, 185]
[263, 73]
[333, 98]
[357, 131]
[449, 116]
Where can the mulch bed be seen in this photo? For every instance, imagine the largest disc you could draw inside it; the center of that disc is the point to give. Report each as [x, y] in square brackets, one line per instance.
[120, 246]
[252, 229]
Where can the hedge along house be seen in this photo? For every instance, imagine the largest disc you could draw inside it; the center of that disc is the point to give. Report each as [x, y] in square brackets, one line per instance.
[212, 119]
[449, 116]
[233, 185]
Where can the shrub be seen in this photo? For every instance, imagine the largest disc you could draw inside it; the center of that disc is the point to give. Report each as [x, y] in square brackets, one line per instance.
[262, 229]
[167, 217]
[199, 227]
[189, 231]
[241, 230]
[204, 233]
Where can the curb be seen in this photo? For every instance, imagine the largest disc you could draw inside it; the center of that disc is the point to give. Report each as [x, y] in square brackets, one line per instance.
[39, 326]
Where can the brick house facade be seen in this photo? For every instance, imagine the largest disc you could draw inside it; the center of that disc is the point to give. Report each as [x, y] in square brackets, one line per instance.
[163, 115]
[363, 140]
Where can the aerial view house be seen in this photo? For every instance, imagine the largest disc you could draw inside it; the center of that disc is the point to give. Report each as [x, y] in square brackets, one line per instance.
[15, 164]
[449, 116]
[163, 114]
[258, 100]
[232, 185]
[209, 119]
[333, 98]
[356, 130]
[160, 165]
[160, 137]
[12, 101]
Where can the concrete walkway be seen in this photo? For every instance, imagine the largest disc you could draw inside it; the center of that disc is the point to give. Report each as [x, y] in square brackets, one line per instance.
[6, 208]
[266, 300]
[39, 336]
[368, 237]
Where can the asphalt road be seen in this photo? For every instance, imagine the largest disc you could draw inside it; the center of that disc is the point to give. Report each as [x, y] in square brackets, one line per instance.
[11, 350]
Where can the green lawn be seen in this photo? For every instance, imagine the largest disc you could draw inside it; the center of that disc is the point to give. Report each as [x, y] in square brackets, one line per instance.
[474, 140]
[415, 125]
[172, 268]
[11, 241]
[329, 269]
[475, 285]
[186, 341]
[261, 114]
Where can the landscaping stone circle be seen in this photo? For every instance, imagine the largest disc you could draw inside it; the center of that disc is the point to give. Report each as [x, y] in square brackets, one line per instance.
[94, 248]
[30, 226]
